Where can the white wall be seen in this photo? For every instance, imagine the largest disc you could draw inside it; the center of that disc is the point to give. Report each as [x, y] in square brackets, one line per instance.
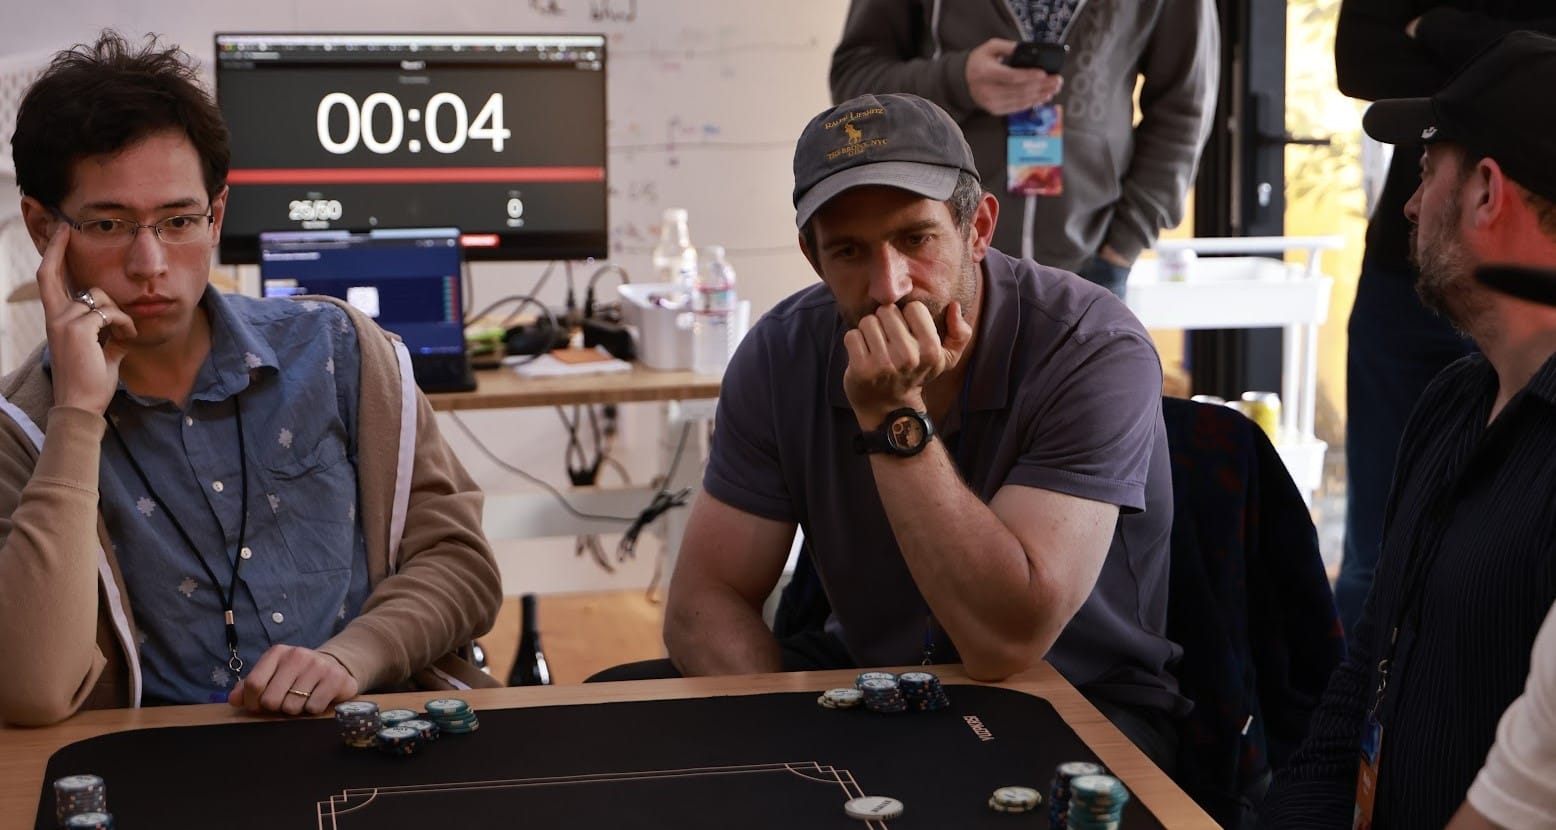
[706, 98]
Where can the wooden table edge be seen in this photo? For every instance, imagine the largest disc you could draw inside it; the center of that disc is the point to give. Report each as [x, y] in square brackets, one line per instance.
[505, 389]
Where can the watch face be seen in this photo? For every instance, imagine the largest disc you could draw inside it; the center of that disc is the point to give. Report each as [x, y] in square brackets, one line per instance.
[907, 432]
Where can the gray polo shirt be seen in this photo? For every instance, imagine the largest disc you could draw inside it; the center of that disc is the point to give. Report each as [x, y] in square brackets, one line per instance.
[1064, 394]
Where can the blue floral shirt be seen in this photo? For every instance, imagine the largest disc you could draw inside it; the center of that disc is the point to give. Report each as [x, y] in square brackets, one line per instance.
[294, 368]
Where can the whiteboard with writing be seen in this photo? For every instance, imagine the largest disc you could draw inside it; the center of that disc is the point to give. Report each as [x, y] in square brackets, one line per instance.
[706, 99]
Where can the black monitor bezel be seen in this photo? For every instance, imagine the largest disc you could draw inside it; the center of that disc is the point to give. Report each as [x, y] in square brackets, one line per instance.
[531, 247]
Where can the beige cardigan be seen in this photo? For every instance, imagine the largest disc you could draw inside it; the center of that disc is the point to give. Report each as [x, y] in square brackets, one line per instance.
[67, 626]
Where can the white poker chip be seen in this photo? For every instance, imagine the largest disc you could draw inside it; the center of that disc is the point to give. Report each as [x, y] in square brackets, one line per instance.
[1017, 798]
[73, 783]
[356, 707]
[843, 698]
[873, 807]
[873, 675]
[1075, 769]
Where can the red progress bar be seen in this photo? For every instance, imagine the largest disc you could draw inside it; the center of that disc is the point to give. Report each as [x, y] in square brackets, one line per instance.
[413, 175]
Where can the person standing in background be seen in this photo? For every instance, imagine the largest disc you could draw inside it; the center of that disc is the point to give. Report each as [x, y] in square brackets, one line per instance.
[1398, 49]
[1121, 182]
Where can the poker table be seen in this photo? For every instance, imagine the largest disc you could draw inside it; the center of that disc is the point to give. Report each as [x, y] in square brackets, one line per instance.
[751, 751]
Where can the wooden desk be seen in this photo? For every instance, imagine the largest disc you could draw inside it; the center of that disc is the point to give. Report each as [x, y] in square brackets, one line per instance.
[505, 388]
[26, 751]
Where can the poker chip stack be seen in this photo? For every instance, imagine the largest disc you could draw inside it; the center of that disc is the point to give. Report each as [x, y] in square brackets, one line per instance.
[359, 723]
[923, 691]
[79, 794]
[396, 717]
[1059, 790]
[399, 740]
[452, 715]
[1096, 802]
[96, 820]
[882, 694]
[840, 698]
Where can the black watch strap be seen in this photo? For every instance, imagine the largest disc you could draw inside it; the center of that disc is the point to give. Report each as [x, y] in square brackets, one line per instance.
[904, 432]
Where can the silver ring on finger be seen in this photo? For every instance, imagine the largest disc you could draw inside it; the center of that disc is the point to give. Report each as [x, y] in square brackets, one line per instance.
[85, 298]
[99, 313]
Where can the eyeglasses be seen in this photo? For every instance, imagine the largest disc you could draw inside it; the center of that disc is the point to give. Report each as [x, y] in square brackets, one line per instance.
[118, 233]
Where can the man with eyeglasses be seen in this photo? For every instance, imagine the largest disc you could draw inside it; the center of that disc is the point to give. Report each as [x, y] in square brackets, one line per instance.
[206, 497]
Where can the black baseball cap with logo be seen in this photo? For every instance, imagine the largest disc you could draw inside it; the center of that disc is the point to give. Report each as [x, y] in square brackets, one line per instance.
[1490, 106]
[897, 140]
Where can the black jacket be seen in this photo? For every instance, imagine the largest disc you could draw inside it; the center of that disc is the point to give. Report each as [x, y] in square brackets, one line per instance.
[1375, 59]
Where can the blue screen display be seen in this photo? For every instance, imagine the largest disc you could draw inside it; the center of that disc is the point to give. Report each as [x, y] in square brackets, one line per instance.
[406, 280]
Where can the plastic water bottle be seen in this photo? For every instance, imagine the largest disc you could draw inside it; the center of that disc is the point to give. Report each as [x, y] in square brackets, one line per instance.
[675, 260]
[713, 312]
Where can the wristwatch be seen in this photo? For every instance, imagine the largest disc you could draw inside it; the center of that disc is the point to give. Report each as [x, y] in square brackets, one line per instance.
[905, 432]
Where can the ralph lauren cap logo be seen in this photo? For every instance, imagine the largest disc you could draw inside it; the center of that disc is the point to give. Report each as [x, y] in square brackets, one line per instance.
[1426, 134]
[854, 140]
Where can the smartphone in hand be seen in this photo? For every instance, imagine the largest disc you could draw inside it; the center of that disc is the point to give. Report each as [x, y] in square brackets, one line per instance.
[1048, 57]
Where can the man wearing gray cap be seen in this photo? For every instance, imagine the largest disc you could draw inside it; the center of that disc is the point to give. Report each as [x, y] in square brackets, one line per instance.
[972, 444]
[1466, 576]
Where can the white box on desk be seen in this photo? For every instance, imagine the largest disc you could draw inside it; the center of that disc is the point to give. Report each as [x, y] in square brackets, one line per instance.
[663, 323]
[657, 310]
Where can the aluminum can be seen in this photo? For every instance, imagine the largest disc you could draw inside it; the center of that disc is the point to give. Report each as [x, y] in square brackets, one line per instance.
[1263, 408]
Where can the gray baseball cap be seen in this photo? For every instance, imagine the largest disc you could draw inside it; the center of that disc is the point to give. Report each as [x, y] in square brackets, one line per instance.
[897, 140]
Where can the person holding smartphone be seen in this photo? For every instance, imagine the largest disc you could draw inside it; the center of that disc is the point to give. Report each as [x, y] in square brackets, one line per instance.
[1080, 185]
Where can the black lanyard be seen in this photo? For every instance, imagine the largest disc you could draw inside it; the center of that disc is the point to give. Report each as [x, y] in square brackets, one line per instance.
[235, 662]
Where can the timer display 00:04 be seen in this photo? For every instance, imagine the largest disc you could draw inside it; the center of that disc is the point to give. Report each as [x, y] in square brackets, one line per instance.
[487, 125]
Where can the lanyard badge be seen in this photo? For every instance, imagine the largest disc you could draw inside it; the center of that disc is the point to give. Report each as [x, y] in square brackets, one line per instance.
[1371, 750]
[1034, 151]
[1367, 774]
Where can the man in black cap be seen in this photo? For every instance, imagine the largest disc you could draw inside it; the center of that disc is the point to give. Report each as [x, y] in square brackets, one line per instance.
[972, 444]
[1466, 574]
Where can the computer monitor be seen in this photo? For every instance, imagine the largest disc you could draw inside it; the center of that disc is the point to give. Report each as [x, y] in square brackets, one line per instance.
[407, 280]
[501, 136]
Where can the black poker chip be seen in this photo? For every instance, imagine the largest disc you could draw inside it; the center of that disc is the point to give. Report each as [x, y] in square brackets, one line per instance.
[79, 794]
[359, 723]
